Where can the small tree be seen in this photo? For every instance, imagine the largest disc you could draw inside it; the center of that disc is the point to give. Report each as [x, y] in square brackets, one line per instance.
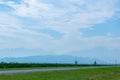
[95, 63]
[76, 62]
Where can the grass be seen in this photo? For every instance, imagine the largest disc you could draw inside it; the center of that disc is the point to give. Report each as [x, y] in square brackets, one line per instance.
[86, 74]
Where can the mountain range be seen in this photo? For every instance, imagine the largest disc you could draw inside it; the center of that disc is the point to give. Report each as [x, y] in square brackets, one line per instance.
[52, 59]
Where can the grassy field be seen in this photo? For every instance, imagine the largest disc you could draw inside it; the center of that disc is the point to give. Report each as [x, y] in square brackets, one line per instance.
[87, 74]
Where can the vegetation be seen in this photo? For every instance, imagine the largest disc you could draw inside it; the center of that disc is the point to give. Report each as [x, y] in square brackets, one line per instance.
[86, 74]
[76, 62]
[29, 65]
[95, 63]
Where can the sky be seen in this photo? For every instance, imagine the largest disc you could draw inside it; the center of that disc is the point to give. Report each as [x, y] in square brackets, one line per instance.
[85, 28]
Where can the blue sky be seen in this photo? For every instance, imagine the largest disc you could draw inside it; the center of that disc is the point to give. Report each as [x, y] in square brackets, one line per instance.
[85, 28]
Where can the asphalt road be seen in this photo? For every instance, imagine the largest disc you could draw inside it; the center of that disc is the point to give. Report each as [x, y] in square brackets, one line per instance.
[42, 70]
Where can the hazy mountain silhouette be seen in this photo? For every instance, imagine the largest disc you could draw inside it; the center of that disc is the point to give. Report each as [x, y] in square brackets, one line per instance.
[53, 59]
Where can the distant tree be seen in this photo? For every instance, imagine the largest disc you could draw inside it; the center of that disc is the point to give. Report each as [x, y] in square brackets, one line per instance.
[76, 62]
[95, 63]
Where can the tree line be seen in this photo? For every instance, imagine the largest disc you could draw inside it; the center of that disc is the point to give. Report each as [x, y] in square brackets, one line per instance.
[27, 65]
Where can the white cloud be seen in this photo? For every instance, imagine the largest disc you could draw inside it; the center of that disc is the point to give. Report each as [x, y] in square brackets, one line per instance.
[68, 19]
[13, 35]
[1, 1]
[77, 43]
[85, 12]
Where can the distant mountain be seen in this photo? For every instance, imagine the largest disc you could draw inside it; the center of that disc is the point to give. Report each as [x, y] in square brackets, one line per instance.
[52, 59]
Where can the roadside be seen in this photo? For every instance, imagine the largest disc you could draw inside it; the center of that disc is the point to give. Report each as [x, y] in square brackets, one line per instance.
[28, 70]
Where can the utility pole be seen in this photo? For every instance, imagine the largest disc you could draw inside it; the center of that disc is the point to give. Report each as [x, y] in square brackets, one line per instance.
[115, 61]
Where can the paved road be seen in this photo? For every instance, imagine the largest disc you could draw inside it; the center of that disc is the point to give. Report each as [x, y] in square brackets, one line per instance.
[43, 70]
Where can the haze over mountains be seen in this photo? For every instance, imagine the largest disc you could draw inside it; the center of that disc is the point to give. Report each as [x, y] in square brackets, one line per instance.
[52, 59]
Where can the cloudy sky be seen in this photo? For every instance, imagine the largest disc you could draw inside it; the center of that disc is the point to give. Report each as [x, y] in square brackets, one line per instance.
[86, 28]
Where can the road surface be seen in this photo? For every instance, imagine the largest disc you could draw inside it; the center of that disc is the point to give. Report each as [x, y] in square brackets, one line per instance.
[42, 70]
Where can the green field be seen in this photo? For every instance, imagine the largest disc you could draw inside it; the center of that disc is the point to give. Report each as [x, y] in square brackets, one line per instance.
[86, 74]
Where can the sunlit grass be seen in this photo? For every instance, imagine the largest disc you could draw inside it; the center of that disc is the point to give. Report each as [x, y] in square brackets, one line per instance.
[86, 74]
